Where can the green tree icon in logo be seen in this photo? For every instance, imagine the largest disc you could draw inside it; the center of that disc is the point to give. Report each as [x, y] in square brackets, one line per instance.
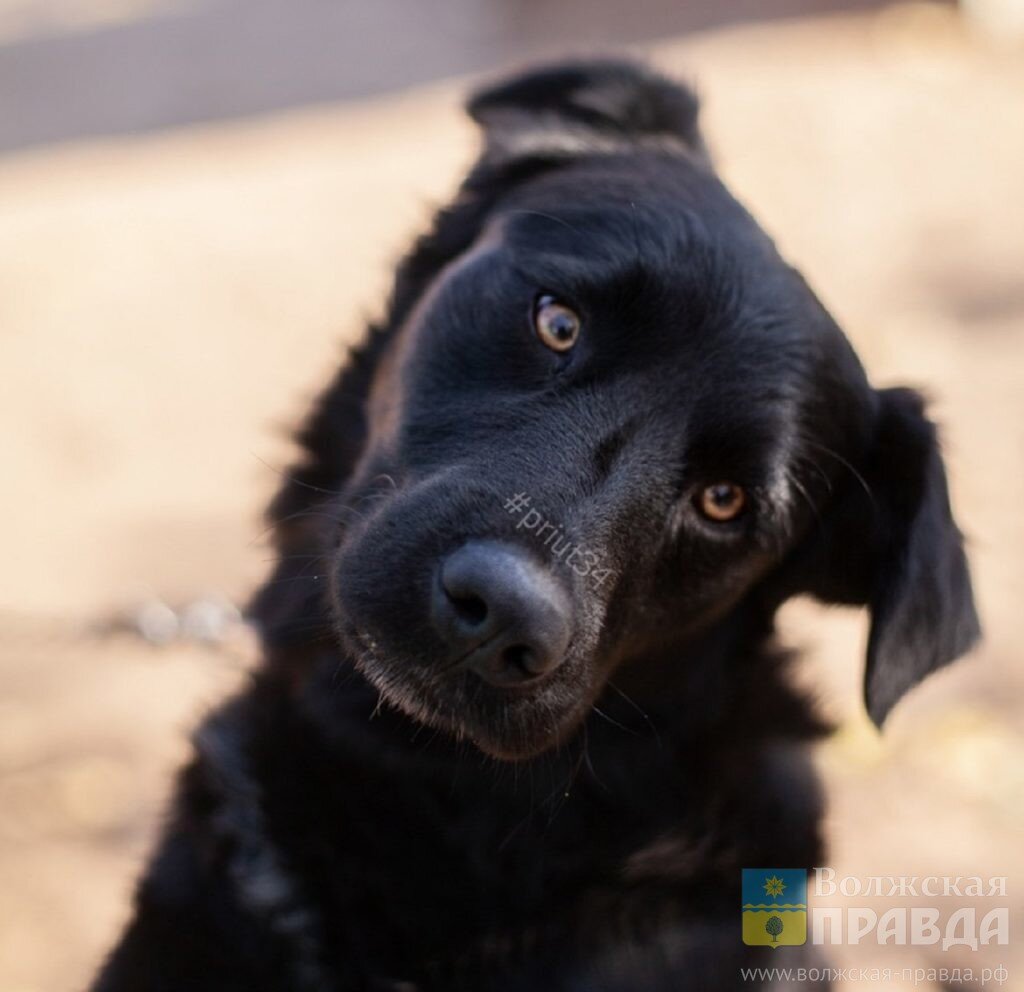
[774, 927]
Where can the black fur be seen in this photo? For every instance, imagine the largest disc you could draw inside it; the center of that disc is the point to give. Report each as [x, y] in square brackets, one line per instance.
[362, 818]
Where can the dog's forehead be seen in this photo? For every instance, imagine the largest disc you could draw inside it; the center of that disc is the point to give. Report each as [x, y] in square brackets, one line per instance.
[681, 264]
[654, 228]
[689, 313]
[649, 207]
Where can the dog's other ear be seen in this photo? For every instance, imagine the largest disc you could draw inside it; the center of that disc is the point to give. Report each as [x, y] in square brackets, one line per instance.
[586, 108]
[922, 606]
[891, 543]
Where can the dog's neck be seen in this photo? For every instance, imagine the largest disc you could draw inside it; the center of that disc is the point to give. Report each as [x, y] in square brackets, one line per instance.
[648, 799]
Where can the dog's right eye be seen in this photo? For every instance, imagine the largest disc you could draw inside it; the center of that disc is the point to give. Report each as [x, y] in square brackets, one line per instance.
[557, 325]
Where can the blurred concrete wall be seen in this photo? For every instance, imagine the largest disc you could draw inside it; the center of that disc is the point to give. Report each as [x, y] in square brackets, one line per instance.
[76, 68]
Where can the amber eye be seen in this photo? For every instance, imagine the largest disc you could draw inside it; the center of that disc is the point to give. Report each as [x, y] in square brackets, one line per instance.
[721, 502]
[557, 326]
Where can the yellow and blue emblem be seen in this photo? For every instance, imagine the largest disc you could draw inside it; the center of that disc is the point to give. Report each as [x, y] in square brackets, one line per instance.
[774, 906]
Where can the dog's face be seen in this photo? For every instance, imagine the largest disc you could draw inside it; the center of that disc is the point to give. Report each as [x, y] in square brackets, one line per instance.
[611, 417]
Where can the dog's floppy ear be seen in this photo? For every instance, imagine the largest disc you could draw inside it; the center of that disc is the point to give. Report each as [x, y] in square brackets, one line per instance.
[591, 107]
[891, 543]
[922, 606]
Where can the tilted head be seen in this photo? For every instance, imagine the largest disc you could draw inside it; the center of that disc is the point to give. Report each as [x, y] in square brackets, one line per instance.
[603, 415]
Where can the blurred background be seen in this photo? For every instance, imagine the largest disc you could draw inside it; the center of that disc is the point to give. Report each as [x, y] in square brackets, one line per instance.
[200, 203]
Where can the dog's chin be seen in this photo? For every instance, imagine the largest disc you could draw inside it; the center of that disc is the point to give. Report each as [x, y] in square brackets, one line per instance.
[505, 725]
[517, 730]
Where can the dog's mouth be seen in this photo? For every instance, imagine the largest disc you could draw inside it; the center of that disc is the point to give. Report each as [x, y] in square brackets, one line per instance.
[510, 724]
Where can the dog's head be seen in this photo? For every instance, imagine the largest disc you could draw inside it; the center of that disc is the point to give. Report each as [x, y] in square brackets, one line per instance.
[603, 414]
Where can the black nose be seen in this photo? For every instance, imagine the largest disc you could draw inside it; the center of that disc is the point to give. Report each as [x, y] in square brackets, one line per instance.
[501, 612]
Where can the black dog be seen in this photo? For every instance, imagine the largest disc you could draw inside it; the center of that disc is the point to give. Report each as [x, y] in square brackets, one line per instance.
[521, 720]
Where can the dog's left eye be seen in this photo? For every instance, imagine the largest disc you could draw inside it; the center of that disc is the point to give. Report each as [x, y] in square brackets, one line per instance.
[722, 501]
[557, 325]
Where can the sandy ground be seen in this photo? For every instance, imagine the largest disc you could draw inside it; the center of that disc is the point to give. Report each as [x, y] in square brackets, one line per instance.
[168, 305]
